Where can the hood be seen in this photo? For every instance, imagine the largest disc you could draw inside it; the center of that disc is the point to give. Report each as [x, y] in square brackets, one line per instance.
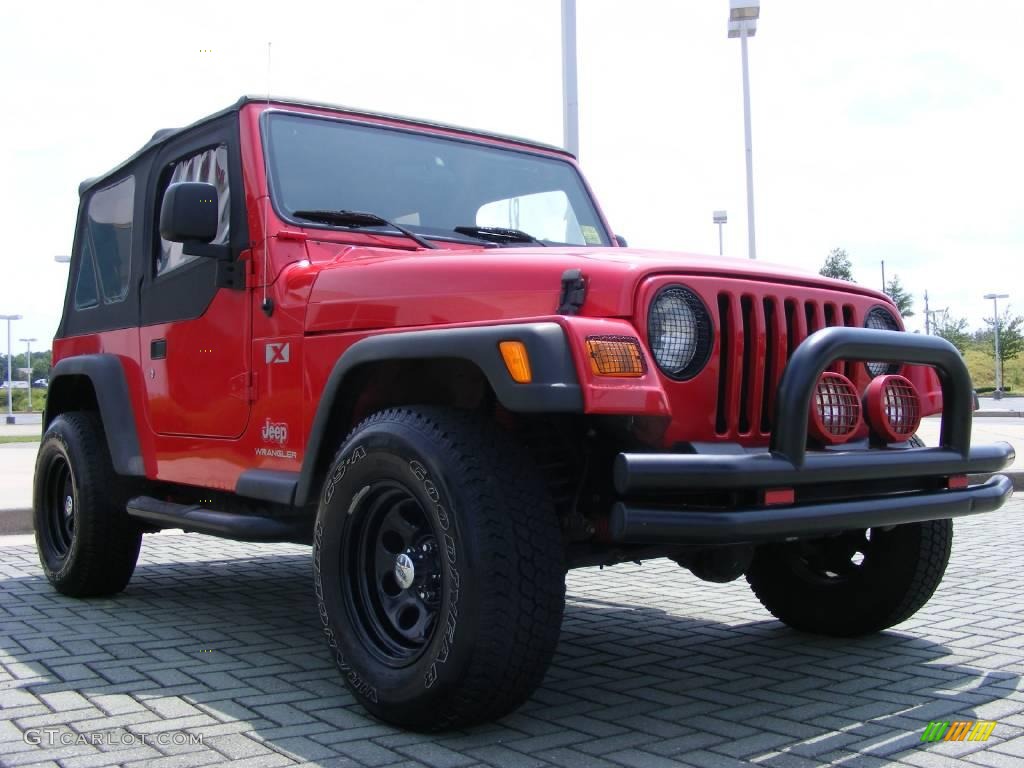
[365, 288]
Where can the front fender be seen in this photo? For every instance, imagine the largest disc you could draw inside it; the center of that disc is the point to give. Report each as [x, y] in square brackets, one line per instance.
[554, 388]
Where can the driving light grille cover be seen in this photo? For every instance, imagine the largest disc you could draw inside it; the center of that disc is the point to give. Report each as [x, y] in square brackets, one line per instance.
[835, 410]
[616, 356]
[893, 408]
[881, 319]
[679, 332]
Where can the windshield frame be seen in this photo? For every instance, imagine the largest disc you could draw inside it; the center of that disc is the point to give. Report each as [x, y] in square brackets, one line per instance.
[446, 134]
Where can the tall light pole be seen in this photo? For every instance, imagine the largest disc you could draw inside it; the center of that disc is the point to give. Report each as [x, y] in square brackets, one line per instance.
[998, 394]
[570, 94]
[743, 15]
[719, 218]
[10, 381]
[28, 362]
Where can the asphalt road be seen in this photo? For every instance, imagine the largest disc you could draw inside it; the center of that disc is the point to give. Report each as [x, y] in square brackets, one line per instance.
[17, 464]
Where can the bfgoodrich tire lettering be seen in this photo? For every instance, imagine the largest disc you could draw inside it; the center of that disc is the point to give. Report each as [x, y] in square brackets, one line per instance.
[464, 630]
[87, 544]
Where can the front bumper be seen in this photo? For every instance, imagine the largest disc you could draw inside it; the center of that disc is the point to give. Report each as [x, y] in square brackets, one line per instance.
[834, 490]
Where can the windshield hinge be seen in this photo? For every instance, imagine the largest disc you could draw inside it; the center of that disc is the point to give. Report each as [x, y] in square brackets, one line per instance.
[574, 292]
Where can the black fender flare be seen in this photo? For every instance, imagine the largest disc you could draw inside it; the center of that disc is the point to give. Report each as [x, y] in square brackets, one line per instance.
[554, 389]
[115, 406]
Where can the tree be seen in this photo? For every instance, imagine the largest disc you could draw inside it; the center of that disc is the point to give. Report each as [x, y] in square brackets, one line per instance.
[837, 265]
[1011, 335]
[953, 330]
[904, 301]
[41, 365]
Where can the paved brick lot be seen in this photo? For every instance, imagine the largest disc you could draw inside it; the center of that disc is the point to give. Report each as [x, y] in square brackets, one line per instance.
[654, 668]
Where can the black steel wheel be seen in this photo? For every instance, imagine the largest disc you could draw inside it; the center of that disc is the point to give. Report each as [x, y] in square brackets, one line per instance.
[59, 506]
[87, 544]
[393, 579]
[853, 583]
[438, 568]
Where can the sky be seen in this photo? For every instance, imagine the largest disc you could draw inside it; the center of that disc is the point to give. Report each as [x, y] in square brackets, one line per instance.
[892, 130]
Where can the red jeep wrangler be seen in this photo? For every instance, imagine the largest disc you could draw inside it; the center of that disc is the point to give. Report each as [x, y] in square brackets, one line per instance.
[422, 350]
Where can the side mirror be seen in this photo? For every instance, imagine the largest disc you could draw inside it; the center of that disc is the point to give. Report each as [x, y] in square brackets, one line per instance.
[189, 212]
[621, 241]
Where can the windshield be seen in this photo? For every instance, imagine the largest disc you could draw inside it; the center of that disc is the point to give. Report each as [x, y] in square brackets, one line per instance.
[428, 184]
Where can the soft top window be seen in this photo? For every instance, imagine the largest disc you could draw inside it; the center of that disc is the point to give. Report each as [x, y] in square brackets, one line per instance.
[106, 250]
[210, 166]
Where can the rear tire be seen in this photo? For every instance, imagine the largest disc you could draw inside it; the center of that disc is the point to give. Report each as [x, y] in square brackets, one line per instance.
[438, 568]
[87, 544]
[855, 583]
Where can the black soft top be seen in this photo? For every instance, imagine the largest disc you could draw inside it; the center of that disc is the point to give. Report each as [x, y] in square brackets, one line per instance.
[162, 135]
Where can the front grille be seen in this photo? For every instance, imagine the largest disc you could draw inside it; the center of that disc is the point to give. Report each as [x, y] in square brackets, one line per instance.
[757, 336]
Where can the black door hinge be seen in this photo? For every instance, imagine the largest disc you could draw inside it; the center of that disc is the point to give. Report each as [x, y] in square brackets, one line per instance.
[574, 292]
[231, 274]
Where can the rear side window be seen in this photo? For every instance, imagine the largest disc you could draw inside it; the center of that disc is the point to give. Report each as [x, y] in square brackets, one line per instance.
[107, 245]
[85, 292]
[210, 166]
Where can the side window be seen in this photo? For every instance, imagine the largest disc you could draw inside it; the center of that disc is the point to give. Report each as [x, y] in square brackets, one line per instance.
[106, 245]
[210, 166]
[85, 290]
[545, 215]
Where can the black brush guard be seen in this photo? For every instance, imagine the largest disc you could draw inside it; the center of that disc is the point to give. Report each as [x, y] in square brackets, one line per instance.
[641, 478]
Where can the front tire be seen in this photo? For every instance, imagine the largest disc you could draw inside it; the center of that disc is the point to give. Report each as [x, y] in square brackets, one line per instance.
[855, 583]
[87, 544]
[438, 568]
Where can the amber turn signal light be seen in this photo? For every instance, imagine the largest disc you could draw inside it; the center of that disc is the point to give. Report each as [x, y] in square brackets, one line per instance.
[616, 356]
[516, 360]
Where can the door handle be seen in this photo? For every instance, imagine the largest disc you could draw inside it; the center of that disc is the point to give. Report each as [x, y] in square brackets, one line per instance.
[158, 349]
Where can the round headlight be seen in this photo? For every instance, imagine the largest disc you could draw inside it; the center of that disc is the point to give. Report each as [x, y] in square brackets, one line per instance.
[881, 319]
[679, 332]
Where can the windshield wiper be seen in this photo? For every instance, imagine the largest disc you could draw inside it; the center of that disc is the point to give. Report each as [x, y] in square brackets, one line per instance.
[500, 235]
[357, 219]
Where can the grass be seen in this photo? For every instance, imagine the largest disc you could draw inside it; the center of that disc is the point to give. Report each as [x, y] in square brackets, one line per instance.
[982, 367]
[19, 439]
[20, 398]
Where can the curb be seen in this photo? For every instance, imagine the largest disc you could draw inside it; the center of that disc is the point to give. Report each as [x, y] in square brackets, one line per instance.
[14, 522]
[999, 414]
[1015, 475]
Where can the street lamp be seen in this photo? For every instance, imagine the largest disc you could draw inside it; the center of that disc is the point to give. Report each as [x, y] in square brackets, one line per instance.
[10, 382]
[28, 362]
[743, 15]
[719, 218]
[998, 394]
[570, 93]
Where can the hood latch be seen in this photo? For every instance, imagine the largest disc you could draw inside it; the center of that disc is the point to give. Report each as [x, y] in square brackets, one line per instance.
[574, 292]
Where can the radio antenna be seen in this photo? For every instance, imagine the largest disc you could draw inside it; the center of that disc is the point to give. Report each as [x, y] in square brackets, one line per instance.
[267, 305]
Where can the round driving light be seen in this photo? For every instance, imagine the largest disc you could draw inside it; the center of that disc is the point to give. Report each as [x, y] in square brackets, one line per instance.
[881, 319]
[893, 408]
[679, 332]
[835, 409]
